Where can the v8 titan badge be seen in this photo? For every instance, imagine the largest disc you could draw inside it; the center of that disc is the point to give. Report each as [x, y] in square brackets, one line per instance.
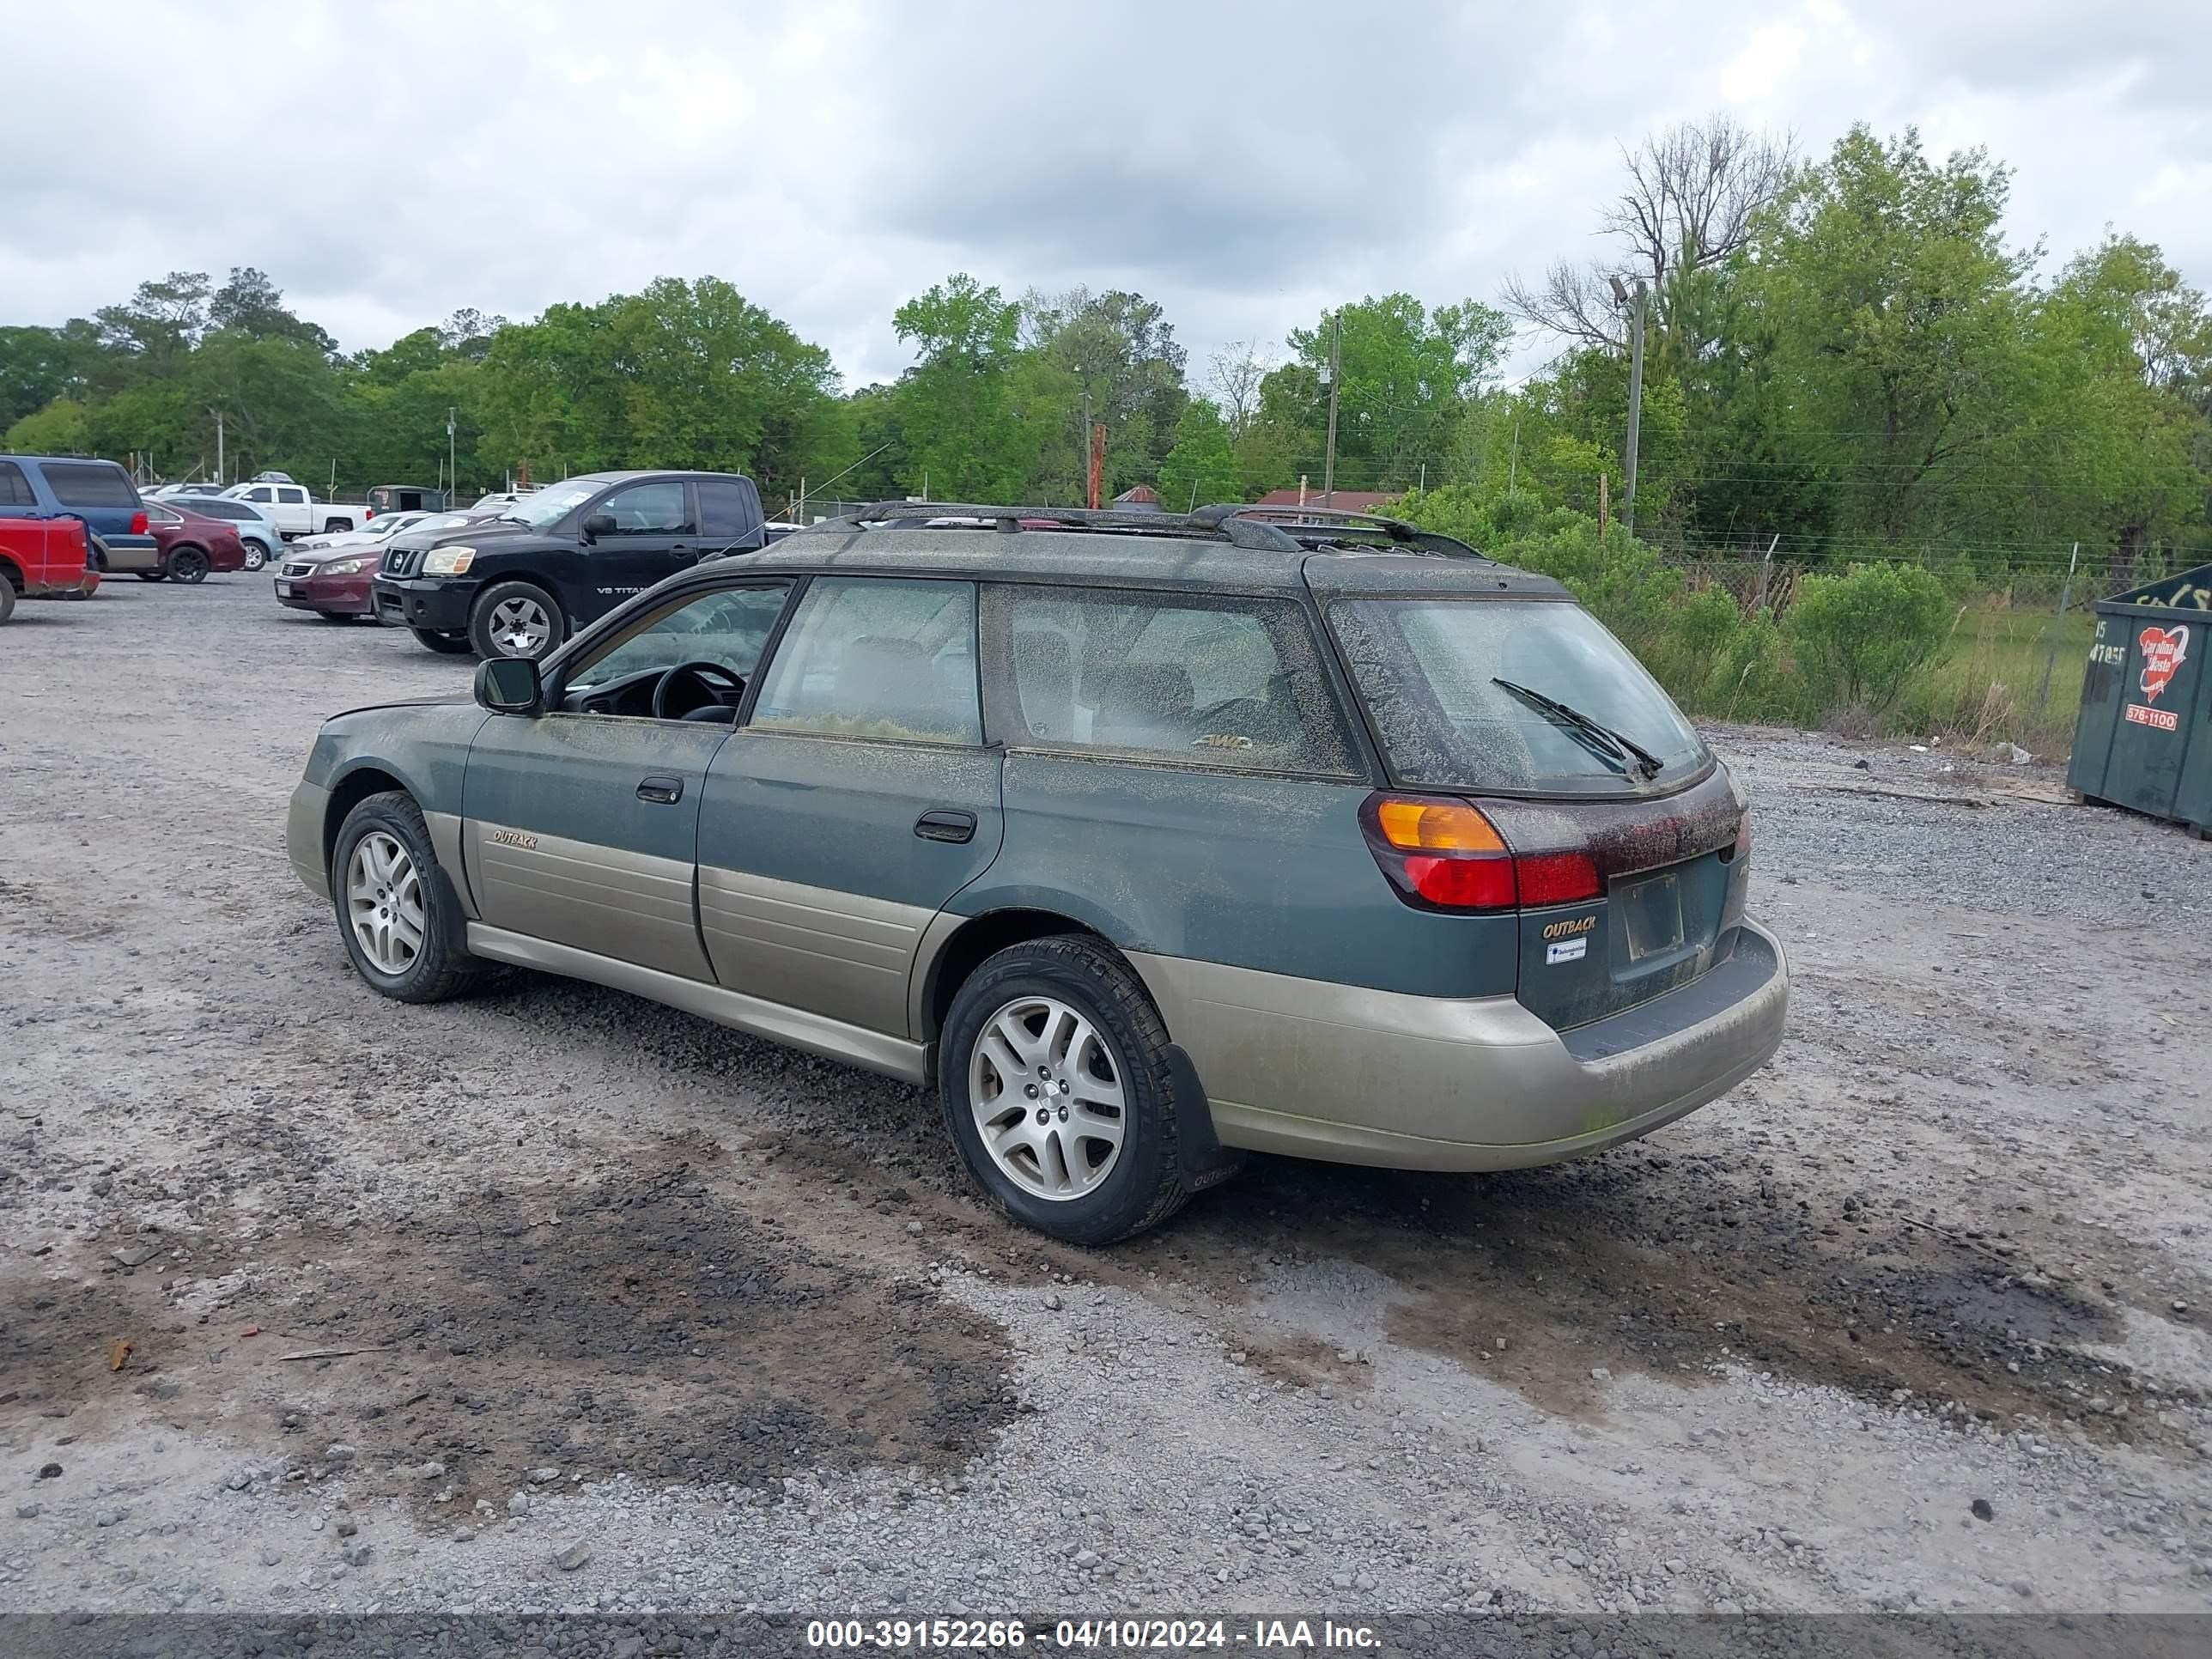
[2164, 651]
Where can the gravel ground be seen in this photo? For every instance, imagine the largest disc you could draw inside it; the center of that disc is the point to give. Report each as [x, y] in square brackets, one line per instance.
[555, 1298]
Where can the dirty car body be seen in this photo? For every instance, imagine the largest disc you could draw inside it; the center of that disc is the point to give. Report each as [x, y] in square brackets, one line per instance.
[1150, 839]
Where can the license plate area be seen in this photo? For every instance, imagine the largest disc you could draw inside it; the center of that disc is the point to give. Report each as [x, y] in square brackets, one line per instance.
[283, 587]
[1650, 911]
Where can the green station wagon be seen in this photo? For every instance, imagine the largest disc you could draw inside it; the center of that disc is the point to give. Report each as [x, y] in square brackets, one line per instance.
[1149, 838]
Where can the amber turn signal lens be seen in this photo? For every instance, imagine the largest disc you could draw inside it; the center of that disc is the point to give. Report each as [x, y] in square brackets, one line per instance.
[1437, 826]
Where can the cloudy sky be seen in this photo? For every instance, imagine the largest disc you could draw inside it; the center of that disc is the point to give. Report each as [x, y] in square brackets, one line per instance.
[1247, 165]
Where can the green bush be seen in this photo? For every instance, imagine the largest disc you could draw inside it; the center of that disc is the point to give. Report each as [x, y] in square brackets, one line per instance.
[1866, 633]
[1753, 679]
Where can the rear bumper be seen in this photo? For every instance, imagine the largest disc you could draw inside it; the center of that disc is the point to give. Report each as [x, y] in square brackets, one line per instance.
[61, 585]
[412, 602]
[1356, 1076]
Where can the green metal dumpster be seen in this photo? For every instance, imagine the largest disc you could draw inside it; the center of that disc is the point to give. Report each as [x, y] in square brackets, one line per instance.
[2144, 736]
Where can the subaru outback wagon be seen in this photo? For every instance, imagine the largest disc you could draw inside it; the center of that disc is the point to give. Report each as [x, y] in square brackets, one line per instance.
[1149, 838]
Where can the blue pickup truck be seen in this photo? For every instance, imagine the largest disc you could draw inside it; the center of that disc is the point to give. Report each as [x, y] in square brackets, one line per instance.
[99, 493]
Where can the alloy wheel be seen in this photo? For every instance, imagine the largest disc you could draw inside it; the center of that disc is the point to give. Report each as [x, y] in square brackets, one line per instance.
[384, 903]
[1046, 1089]
[521, 626]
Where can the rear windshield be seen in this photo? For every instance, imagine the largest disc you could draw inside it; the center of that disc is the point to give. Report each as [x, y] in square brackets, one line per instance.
[90, 484]
[1431, 672]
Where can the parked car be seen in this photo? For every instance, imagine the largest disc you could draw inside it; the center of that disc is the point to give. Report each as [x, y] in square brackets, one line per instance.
[167, 492]
[519, 584]
[257, 532]
[1147, 846]
[192, 544]
[377, 530]
[294, 511]
[44, 559]
[331, 575]
[404, 498]
[99, 493]
[500, 500]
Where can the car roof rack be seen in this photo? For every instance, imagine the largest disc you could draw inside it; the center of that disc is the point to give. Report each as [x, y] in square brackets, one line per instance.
[1263, 529]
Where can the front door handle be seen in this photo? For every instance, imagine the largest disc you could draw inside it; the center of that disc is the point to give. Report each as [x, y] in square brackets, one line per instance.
[945, 826]
[661, 792]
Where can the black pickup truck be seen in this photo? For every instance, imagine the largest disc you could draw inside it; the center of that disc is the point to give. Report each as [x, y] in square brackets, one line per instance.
[517, 584]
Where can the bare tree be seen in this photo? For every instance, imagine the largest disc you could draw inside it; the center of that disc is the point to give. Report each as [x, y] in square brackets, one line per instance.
[1234, 375]
[1694, 194]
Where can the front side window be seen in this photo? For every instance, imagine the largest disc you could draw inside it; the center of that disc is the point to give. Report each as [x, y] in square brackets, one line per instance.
[727, 628]
[1198, 680]
[877, 658]
[1484, 693]
[646, 509]
[264, 493]
[91, 483]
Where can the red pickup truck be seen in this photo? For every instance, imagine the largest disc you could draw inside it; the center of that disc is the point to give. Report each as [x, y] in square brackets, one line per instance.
[44, 559]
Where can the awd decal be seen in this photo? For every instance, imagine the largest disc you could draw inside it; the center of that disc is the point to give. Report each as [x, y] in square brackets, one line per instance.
[515, 838]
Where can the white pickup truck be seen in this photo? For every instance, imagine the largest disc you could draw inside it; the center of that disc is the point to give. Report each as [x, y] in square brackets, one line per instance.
[296, 511]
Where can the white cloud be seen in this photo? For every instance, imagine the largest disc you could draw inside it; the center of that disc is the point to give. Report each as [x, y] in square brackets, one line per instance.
[1245, 166]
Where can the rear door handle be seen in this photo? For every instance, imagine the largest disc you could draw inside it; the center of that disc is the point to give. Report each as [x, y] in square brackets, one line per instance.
[945, 826]
[661, 792]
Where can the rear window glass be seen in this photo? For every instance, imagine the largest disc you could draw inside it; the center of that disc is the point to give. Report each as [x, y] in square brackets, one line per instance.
[1204, 682]
[88, 484]
[16, 488]
[1437, 673]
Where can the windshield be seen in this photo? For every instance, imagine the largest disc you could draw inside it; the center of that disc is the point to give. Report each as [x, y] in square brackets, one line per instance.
[1430, 670]
[554, 501]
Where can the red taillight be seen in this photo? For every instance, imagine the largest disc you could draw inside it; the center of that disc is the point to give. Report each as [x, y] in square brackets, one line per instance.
[1446, 854]
[1556, 878]
[138, 522]
[1483, 882]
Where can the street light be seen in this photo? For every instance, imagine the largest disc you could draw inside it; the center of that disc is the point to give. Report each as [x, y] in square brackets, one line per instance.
[1620, 297]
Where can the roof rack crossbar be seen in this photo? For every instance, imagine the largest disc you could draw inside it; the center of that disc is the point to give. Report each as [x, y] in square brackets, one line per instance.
[1264, 529]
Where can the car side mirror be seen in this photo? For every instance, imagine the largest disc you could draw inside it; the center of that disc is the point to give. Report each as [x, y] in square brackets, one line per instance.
[508, 685]
[598, 525]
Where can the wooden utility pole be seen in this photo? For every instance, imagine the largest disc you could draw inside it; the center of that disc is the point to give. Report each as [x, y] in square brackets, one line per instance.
[1635, 406]
[1097, 462]
[1604, 505]
[1335, 374]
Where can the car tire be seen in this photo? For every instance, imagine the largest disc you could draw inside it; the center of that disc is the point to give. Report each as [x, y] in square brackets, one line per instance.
[6, 598]
[1029, 989]
[509, 614]
[95, 553]
[153, 575]
[386, 884]
[451, 645]
[339, 617]
[188, 565]
[256, 554]
[338, 527]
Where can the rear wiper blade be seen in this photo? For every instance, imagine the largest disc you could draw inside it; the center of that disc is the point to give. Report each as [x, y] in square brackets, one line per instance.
[1623, 745]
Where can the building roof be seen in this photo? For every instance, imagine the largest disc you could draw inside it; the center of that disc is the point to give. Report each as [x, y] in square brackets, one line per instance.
[1345, 500]
[1139, 495]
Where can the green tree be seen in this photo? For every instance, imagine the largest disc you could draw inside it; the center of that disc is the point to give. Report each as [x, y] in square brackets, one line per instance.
[37, 365]
[1409, 375]
[963, 435]
[1896, 314]
[57, 429]
[1115, 354]
[251, 306]
[1201, 467]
